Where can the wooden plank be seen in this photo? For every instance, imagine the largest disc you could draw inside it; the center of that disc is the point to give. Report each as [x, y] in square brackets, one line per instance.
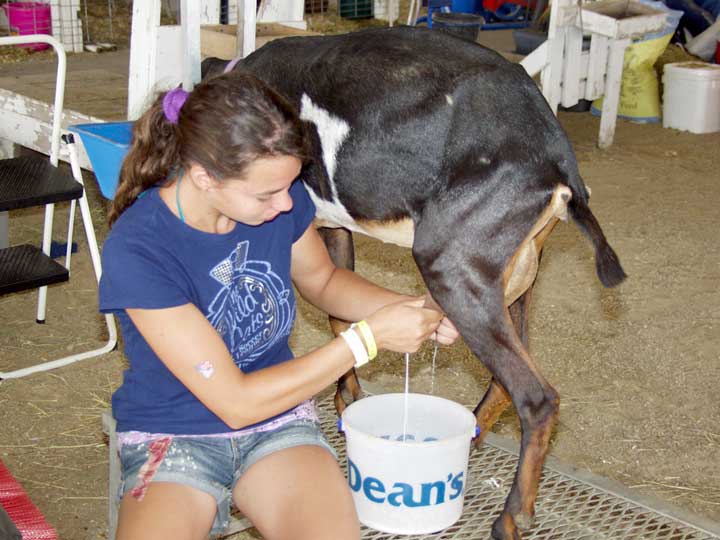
[536, 60]
[620, 18]
[28, 122]
[210, 10]
[413, 12]
[217, 42]
[597, 66]
[143, 55]
[552, 74]
[288, 12]
[220, 40]
[190, 43]
[104, 97]
[608, 117]
[170, 60]
[571, 66]
[249, 20]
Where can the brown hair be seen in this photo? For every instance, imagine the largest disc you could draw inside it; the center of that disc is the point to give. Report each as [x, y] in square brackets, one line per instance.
[227, 122]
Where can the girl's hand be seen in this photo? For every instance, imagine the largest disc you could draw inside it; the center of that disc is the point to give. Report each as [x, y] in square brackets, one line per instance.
[446, 333]
[404, 326]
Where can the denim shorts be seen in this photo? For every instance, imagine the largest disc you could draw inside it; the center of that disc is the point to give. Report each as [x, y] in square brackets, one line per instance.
[215, 464]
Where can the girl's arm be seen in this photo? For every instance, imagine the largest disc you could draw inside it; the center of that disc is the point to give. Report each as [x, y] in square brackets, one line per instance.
[195, 353]
[344, 294]
[336, 291]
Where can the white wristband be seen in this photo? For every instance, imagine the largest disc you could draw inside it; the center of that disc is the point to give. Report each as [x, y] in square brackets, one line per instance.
[356, 346]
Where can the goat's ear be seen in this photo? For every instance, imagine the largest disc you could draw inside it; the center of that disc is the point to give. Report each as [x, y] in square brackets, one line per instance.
[212, 66]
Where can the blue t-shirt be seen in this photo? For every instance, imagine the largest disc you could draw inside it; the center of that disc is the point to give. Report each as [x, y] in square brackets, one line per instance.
[240, 281]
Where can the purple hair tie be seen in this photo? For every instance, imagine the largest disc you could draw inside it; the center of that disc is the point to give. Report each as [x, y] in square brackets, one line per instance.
[231, 64]
[173, 102]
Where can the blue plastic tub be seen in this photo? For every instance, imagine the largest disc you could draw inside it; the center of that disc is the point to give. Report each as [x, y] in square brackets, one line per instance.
[466, 6]
[106, 145]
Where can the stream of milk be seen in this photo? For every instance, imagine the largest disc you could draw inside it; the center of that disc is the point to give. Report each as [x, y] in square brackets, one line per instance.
[407, 388]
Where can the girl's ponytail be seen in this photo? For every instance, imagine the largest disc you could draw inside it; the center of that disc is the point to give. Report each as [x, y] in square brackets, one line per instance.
[154, 151]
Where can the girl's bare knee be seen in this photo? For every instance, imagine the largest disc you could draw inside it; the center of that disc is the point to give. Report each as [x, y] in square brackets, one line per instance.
[163, 513]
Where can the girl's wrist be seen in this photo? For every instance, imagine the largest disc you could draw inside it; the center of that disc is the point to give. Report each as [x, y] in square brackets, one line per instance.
[367, 336]
[353, 341]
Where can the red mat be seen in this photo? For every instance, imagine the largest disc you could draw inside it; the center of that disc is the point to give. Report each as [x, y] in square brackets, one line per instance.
[27, 518]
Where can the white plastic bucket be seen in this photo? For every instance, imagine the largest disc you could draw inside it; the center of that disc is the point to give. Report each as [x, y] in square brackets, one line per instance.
[411, 487]
[691, 99]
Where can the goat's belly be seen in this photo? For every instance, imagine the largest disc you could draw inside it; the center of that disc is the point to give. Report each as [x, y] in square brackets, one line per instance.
[334, 215]
[400, 232]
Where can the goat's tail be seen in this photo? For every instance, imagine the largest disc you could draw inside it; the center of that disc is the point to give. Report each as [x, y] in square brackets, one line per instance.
[607, 264]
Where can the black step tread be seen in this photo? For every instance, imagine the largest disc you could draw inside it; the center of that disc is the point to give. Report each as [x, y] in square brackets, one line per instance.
[32, 181]
[27, 267]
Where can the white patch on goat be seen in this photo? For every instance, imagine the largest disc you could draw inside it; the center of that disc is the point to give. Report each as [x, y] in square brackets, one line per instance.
[449, 99]
[332, 131]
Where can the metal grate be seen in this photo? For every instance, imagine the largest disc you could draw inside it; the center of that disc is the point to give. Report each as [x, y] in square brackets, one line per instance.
[566, 508]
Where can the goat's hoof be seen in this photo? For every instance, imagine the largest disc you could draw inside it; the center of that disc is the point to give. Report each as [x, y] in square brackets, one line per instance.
[478, 441]
[504, 529]
[523, 520]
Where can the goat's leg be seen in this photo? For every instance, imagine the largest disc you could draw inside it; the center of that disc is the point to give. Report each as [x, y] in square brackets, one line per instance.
[535, 401]
[340, 246]
[491, 406]
[496, 399]
[469, 275]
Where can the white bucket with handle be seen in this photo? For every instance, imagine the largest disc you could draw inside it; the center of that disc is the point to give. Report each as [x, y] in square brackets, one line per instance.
[411, 486]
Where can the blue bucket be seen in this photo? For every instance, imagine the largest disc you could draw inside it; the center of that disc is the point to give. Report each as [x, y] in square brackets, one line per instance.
[106, 145]
[466, 6]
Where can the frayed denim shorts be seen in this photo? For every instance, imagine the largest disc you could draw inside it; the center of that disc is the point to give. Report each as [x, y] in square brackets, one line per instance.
[212, 464]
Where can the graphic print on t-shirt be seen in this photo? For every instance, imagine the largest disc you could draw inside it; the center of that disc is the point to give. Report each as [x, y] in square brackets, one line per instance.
[252, 310]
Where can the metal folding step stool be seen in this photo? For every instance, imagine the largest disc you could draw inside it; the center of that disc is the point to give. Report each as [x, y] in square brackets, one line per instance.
[29, 181]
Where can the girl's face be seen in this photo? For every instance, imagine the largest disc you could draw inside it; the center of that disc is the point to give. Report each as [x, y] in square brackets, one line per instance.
[261, 195]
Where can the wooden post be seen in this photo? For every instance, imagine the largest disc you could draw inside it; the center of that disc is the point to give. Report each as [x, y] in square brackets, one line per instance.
[246, 27]
[613, 80]
[597, 66]
[143, 55]
[552, 74]
[571, 66]
[413, 12]
[190, 16]
[210, 11]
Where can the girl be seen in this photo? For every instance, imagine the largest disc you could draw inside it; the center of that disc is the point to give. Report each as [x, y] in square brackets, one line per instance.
[209, 232]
